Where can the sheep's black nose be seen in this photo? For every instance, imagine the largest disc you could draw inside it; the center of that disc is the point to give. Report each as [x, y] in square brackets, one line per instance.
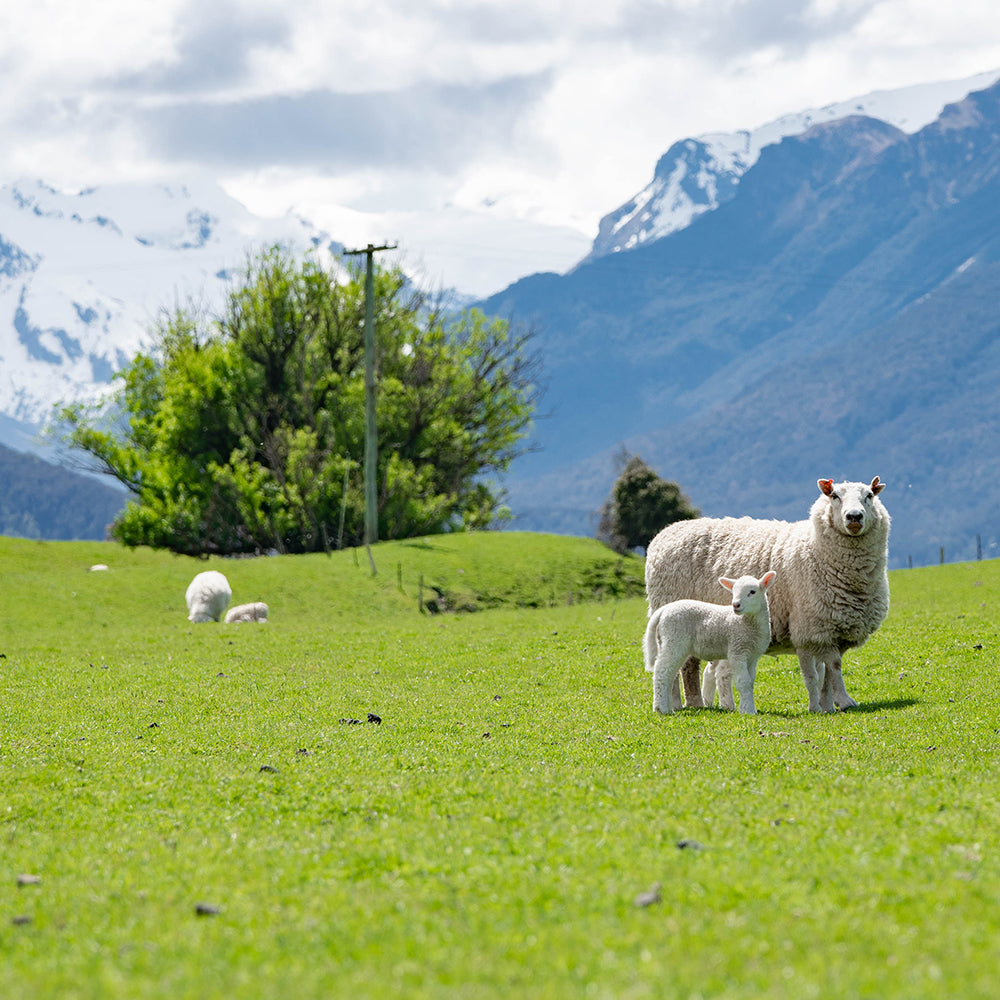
[857, 518]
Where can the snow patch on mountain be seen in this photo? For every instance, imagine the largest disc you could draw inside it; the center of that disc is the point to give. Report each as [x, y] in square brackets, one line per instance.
[697, 175]
[84, 275]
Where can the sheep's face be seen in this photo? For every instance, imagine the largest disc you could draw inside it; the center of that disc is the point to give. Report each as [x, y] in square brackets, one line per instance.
[851, 504]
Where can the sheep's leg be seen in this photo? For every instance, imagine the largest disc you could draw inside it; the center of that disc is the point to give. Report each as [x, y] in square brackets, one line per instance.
[810, 666]
[708, 685]
[742, 676]
[691, 675]
[834, 694]
[724, 682]
[826, 689]
[665, 670]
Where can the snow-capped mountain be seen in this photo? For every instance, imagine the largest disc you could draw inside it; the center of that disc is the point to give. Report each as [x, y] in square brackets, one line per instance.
[83, 277]
[838, 312]
[697, 175]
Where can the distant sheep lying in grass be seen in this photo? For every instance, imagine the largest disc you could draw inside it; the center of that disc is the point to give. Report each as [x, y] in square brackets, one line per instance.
[208, 596]
[833, 589]
[256, 612]
[739, 633]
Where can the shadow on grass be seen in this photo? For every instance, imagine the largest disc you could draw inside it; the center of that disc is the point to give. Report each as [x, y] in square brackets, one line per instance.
[423, 543]
[868, 708]
[886, 705]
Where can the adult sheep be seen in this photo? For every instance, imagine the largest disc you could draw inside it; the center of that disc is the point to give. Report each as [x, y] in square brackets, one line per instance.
[832, 588]
[208, 596]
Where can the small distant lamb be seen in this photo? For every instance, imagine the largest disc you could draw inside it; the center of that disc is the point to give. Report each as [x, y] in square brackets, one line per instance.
[208, 595]
[255, 612]
[739, 633]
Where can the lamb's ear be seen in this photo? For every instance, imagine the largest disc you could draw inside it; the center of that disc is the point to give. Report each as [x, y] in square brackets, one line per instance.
[877, 487]
[767, 579]
[826, 486]
[728, 584]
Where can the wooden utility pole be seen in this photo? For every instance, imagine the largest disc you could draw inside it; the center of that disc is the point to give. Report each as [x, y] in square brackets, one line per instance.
[371, 430]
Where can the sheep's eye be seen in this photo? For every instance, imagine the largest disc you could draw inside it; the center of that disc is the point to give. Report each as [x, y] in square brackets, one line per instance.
[752, 592]
[834, 496]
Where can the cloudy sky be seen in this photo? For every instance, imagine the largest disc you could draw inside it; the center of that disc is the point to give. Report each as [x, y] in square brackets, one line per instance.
[486, 137]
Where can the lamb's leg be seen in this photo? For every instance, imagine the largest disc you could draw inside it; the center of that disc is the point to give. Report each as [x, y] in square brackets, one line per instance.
[691, 674]
[809, 666]
[665, 670]
[724, 682]
[742, 676]
[708, 685]
[834, 694]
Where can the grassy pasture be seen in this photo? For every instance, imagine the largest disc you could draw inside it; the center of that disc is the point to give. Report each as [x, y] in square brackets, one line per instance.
[490, 836]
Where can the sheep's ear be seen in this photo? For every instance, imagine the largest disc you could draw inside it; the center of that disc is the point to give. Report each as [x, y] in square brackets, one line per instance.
[877, 487]
[826, 486]
[767, 579]
[728, 584]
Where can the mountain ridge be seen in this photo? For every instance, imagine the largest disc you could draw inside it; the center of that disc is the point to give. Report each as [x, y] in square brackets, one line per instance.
[836, 239]
[698, 174]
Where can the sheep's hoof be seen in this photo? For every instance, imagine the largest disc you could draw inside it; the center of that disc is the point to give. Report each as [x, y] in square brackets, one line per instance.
[848, 705]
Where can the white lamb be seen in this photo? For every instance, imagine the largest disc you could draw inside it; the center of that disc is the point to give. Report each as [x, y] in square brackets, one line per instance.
[255, 612]
[682, 630]
[833, 591]
[208, 596]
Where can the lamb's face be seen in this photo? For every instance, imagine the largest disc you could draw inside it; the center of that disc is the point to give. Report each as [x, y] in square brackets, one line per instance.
[749, 593]
[851, 504]
[748, 596]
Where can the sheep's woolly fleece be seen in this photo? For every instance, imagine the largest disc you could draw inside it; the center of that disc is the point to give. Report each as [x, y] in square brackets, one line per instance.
[832, 587]
[208, 596]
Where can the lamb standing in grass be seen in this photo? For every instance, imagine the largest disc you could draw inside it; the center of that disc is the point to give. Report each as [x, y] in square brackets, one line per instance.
[833, 589]
[682, 630]
[208, 596]
[255, 612]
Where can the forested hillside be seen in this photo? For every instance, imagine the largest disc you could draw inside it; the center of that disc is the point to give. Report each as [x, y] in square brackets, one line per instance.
[42, 500]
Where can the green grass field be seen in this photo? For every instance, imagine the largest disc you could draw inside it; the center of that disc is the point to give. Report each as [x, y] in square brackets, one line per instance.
[199, 817]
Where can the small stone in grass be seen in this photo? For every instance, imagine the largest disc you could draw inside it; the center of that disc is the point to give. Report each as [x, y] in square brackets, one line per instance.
[21, 920]
[690, 845]
[207, 910]
[650, 896]
[28, 879]
[372, 717]
[268, 769]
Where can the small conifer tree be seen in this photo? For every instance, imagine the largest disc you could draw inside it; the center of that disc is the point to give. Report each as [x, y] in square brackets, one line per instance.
[640, 505]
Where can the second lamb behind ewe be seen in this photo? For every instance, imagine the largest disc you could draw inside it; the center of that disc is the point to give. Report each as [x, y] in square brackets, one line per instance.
[739, 633]
[255, 612]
